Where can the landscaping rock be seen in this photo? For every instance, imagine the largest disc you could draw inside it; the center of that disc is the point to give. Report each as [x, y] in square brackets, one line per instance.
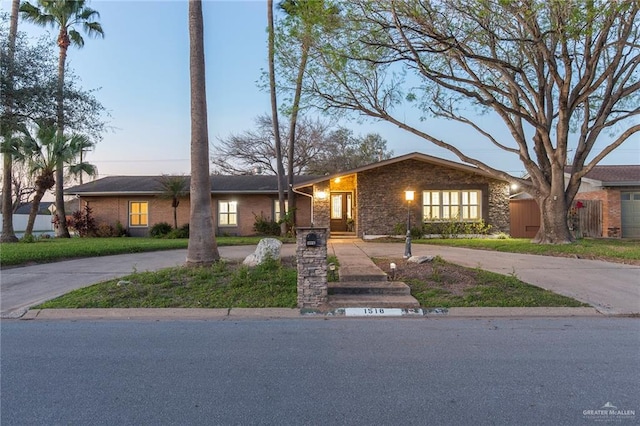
[267, 248]
[420, 259]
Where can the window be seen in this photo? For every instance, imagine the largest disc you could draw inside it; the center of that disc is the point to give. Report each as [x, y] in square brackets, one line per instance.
[276, 209]
[227, 213]
[456, 205]
[138, 213]
[336, 206]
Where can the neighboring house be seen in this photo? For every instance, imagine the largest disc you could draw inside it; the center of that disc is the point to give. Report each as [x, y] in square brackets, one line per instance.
[42, 224]
[618, 189]
[367, 201]
[607, 204]
[44, 208]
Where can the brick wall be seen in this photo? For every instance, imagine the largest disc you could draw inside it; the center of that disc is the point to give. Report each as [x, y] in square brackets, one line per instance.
[110, 210]
[380, 195]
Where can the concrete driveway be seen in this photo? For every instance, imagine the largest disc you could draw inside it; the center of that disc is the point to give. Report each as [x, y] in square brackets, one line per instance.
[612, 288]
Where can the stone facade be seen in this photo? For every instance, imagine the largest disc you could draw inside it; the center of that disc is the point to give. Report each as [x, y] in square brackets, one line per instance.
[380, 195]
[312, 269]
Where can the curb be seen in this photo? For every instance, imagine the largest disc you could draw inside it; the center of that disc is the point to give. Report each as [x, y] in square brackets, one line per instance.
[159, 314]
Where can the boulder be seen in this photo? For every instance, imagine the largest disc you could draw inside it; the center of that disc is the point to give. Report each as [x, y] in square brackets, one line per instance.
[267, 248]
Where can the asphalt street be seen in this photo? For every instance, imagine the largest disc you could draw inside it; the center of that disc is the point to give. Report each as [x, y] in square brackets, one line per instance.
[563, 371]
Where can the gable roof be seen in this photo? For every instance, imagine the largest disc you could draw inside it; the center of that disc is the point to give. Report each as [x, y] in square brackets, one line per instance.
[412, 156]
[43, 208]
[152, 185]
[618, 175]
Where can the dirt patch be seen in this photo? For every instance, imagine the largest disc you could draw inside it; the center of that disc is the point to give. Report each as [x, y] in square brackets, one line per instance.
[438, 274]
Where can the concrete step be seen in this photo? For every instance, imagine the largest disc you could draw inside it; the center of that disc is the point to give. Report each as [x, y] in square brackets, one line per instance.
[361, 272]
[372, 301]
[369, 287]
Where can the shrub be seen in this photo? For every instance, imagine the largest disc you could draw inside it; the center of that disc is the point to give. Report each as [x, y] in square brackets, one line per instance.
[105, 231]
[160, 229]
[84, 223]
[120, 230]
[264, 226]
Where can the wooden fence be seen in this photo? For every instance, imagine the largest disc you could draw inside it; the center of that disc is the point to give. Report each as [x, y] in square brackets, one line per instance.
[525, 218]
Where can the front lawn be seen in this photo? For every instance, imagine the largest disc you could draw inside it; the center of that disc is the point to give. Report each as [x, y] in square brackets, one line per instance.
[223, 285]
[613, 250]
[273, 284]
[439, 284]
[55, 249]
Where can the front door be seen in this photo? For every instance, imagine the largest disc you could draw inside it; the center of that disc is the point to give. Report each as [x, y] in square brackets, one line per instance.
[341, 212]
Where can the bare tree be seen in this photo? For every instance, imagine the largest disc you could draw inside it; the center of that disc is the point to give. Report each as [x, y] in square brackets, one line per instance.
[560, 75]
[243, 153]
[319, 149]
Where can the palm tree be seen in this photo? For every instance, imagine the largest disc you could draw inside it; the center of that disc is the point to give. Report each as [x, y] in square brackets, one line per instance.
[8, 233]
[65, 15]
[174, 188]
[44, 154]
[202, 249]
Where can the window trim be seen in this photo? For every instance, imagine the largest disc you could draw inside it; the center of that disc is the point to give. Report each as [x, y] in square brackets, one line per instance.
[228, 213]
[460, 207]
[139, 215]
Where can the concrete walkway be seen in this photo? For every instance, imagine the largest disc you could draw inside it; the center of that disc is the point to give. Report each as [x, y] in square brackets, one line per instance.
[613, 289]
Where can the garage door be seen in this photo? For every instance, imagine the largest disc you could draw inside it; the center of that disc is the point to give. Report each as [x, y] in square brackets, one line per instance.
[630, 214]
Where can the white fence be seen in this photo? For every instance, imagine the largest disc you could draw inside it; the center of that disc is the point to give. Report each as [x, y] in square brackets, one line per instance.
[42, 225]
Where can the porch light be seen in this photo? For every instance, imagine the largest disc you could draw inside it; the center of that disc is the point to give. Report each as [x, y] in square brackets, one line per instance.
[321, 195]
[337, 180]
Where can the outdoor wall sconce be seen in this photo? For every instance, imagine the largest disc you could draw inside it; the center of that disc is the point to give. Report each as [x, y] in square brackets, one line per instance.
[321, 195]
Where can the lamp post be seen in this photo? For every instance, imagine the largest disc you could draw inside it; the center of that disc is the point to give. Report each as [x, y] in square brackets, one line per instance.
[408, 195]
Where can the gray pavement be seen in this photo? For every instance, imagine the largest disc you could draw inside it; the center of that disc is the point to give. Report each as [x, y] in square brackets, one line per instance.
[613, 289]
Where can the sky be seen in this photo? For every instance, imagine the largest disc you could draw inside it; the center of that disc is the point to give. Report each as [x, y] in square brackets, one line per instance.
[141, 68]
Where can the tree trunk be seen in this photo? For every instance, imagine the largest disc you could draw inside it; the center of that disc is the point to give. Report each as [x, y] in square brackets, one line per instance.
[35, 206]
[202, 249]
[553, 221]
[62, 231]
[8, 233]
[274, 115]
[175, 217]
[292, 130]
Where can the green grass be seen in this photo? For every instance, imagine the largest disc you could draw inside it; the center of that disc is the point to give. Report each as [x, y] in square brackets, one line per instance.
[224, 285]
[54, 249]
[604, 249]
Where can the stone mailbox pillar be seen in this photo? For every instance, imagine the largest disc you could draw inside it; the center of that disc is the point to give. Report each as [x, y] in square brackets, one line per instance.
[311, 255]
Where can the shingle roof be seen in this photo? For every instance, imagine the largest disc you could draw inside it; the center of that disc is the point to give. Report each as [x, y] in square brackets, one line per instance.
[614, 175]
[153, 185]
